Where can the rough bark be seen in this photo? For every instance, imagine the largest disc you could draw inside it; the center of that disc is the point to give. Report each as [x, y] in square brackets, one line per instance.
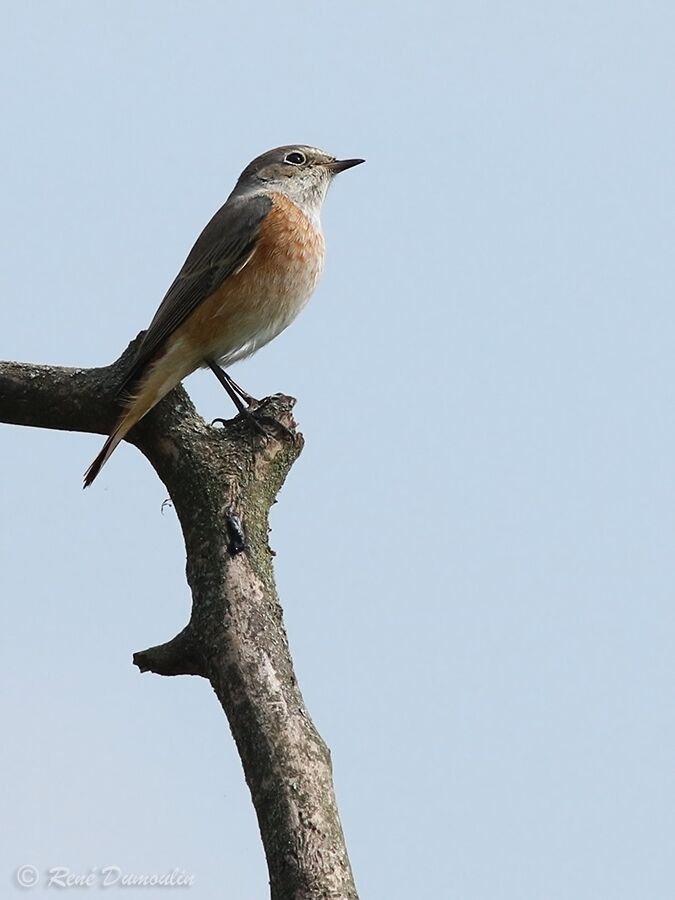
[222, 482]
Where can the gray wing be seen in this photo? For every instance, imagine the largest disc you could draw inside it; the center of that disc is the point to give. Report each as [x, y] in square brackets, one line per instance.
[223, 247]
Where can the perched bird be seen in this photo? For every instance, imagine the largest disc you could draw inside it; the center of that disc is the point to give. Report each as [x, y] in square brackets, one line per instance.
[249, 274]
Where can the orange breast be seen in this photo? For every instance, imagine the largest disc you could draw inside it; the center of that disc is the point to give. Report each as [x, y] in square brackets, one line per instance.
[257, 303]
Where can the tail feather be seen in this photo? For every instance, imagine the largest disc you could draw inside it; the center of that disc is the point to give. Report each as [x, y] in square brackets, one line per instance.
[102, 457]
[163, 375]
[140, 405]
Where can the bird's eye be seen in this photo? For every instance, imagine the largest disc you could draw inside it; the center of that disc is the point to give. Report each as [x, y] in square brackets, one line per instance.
[295, 158]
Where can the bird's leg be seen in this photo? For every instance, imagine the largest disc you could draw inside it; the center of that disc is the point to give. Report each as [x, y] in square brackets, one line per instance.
[231, 387]
[237, 394]
[245, 396]
[226, 382]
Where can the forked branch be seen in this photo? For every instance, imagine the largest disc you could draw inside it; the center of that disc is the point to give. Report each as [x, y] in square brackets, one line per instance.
[222, 482]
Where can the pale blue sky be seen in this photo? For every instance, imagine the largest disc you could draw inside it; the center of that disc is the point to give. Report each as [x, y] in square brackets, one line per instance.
[475, 550]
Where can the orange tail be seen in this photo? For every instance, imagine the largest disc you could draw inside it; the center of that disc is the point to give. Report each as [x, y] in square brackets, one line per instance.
[164, 375]
[100, 460]
[139, 407]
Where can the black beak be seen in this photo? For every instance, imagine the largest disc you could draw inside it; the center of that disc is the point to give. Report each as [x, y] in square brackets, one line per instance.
[341, 165]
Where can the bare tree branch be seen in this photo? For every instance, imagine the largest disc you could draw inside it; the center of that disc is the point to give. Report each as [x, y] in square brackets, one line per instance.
[222, 482]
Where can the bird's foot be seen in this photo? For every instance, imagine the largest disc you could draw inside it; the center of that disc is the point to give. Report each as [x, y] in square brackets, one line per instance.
[259, 421]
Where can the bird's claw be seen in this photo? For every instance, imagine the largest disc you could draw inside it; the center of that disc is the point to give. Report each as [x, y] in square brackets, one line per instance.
[256, 422]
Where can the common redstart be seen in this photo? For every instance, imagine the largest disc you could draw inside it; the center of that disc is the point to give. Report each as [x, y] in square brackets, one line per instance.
[249, 274]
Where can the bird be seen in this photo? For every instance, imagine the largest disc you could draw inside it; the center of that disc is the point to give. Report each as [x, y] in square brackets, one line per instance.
[250, 272]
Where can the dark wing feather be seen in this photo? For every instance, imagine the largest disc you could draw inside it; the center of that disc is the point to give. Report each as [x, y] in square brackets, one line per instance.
[222, 248]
